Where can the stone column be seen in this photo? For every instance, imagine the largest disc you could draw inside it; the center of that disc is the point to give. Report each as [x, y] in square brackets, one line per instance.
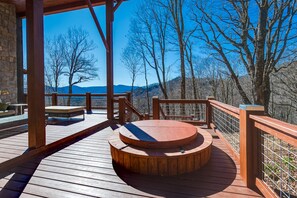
[8, 59]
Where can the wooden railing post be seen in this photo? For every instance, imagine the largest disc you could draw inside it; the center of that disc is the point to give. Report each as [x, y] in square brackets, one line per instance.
[54, 99]
[208, 115]
[88, 103]
[129, 97]
[122, 110]
[146, 116]
[249, 143]
[156, 108]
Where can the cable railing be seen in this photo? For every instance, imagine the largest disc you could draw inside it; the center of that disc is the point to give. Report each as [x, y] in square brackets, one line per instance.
[277, 157]
[190, 111]
[89, 100]
[225, 120]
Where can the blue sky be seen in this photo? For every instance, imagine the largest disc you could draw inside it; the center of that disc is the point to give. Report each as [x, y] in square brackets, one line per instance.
[59, 23]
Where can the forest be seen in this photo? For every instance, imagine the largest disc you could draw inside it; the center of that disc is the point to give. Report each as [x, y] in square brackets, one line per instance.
[240, 52]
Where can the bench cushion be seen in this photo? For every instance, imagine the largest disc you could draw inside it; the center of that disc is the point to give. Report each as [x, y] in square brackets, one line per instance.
[63, 109]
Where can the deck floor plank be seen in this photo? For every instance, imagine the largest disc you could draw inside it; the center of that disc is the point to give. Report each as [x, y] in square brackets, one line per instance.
[85, 169]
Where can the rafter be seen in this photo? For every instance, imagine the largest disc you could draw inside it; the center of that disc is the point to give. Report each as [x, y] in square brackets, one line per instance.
[97, 24]
[119, 2]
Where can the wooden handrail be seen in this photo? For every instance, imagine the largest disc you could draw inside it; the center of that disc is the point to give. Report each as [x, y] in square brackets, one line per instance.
[133, 109]
[64, 94]
[229, 109]
[182, 101]
[282, 130]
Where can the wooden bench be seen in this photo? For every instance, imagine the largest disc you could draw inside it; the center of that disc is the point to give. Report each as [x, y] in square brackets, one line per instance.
[65, 111]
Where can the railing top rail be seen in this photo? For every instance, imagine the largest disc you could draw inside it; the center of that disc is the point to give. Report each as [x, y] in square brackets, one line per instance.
[66, 94]
[93, 94]
[228, 108]
[133, 109]
[182, 101]
[277, 125]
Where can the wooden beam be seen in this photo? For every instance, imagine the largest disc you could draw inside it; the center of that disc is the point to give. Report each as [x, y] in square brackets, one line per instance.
[97, 24]
[54, 7]
[35, 62]
[119, 2]
[249, 144]
[109, 58]
[156, 108]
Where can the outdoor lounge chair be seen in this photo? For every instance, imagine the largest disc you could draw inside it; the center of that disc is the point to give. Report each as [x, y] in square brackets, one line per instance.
[65, 111]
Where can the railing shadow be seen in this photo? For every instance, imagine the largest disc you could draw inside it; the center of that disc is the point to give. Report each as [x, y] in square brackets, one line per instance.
[14, 180]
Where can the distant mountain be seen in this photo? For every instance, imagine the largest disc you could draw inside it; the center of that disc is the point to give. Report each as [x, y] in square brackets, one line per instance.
[95, 89]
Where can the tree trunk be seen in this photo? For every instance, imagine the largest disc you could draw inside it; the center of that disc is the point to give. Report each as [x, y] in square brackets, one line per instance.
[262, 92]
[69, 97]
[146, 87]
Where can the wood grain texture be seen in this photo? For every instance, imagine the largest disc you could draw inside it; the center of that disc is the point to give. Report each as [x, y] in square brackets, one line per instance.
[157, 134]
[53, 6]
[35, 62]
[85, 169]
[166, 161]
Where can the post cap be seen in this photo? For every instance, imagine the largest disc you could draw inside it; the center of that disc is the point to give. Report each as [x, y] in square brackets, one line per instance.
[210, 98]
[251, 107]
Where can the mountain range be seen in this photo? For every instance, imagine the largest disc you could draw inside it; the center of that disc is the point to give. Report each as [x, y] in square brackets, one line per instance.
[95, 89]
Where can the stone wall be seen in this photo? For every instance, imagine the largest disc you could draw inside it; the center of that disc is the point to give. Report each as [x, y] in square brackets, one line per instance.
[8, 59]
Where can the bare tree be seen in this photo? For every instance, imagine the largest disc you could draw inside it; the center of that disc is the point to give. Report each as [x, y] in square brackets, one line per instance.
[260, 32]
[175, 8]
[284, 94]
[80, 63]
[131, 59]
[189, 58]
[145, 71]
[55, 62]
[149, 32]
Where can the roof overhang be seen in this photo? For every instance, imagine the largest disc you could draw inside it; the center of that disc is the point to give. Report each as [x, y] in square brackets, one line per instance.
[53, 6]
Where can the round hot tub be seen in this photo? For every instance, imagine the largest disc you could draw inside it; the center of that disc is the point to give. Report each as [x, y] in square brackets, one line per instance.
[160, 147]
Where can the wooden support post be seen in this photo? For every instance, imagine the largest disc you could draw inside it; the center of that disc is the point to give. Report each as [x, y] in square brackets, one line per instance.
[88, 103]
[122, 110]
[249, 139]
[208, 115]
[54, 99]
[146, 116]
[35, 62]
[129, 96]
[109, 58]
[156, 108]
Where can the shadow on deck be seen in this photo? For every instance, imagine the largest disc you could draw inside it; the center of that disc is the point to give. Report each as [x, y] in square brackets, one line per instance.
[84, 168]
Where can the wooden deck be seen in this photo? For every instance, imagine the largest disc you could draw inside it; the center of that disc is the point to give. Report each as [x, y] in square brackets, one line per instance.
[14, 141]
[85, 169]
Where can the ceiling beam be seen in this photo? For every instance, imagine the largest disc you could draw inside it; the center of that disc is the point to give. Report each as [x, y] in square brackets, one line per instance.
[54, 9]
